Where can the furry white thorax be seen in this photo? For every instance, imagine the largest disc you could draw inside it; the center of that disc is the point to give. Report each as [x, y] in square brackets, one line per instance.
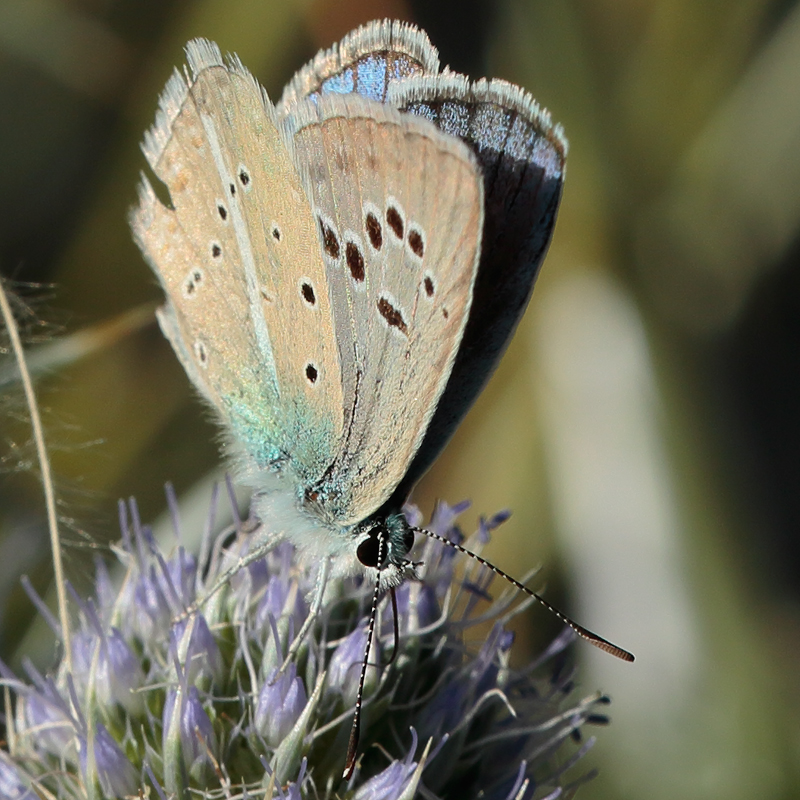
[283, 517]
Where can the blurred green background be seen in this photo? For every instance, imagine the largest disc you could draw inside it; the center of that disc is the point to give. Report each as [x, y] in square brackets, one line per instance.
[645, 424]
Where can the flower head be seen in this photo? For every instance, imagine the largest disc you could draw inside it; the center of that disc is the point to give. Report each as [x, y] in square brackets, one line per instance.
[178, 690]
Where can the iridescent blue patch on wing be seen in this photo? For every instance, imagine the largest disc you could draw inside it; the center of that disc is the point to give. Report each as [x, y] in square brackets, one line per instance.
[402, 67]
[342, 83]
[454, 118]
[521, 139]
[372, 78]
[489, 127]
[422, 110]
[272, 433]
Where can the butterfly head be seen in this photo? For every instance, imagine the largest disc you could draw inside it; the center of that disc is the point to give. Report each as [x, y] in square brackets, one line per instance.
[384, 542]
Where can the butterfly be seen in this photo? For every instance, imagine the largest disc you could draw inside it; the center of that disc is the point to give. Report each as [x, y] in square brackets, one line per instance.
[343, 270]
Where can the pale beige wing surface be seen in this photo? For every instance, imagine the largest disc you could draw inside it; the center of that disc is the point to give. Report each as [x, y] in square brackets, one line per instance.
[399, 206]
[238, 254]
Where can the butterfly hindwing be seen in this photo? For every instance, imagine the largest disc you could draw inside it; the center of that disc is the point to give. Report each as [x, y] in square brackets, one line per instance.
[522, 157]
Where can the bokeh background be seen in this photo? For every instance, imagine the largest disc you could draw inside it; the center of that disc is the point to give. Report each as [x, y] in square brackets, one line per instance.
[644, 425]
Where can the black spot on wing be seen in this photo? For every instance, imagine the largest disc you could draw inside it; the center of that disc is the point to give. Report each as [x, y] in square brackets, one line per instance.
[392, 315]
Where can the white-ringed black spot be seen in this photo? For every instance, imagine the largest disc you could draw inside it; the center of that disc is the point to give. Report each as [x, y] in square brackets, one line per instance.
[330, 241]
[222, 211]
[374, 230]
[307, 290]
[429, 287]
[276, 233]
[392, 315]
[355, 261]
[395, 221]
[311, 373]
[216, 250]
[233, 189]
[244, 177]
[416, 242]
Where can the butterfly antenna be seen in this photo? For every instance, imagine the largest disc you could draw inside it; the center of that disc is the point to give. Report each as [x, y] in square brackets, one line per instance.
[584, 633]
[355, 731]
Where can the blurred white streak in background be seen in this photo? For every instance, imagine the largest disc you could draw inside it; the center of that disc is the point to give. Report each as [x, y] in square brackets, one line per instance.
[610, 484]
[679, 727]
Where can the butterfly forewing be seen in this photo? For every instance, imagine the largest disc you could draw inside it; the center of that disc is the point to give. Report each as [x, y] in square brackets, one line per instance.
[263, 343]
[401, 286]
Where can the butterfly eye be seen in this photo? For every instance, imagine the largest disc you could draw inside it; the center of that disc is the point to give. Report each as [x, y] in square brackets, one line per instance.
[408, 540]
[368, 551]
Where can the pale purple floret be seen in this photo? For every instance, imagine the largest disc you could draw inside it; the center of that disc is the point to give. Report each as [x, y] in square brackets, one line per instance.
[119, 672]
[104, 658]
[280, 703]
[47, 715]
[163, 589]
[282, 597]
[417, 608]
[444, 518]
[101, 758]
[193, 645]
[150, 611]
[293, 790]
[184, 711]
[392, 781]
[181, 574]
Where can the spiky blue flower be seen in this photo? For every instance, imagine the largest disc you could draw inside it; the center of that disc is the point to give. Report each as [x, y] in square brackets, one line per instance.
[179, 692]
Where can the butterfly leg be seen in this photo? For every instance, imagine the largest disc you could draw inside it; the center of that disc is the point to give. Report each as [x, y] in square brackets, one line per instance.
[316, 605]
[259, 551]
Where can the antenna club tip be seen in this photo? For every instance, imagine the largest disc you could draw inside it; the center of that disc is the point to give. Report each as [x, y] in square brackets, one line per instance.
[349, 765]
[621, 654]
